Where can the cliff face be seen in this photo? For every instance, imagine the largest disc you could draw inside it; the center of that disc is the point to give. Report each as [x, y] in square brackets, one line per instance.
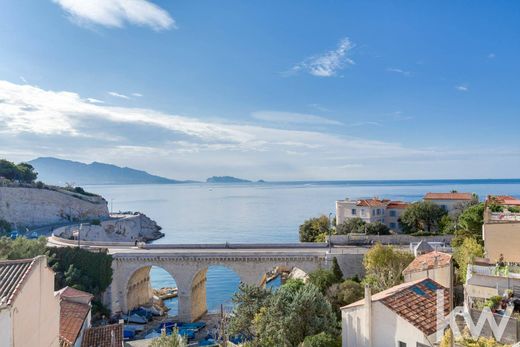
[35, 207]
[121, 228]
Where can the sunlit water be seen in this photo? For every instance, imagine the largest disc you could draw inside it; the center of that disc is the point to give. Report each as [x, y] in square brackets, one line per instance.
[204, 213]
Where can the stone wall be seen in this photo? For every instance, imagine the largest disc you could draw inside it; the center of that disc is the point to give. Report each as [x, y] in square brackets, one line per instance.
[38, 207]
[120, 228]
[400, 239]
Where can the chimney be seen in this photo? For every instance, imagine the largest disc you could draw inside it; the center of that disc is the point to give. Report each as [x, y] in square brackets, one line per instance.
[368, 315]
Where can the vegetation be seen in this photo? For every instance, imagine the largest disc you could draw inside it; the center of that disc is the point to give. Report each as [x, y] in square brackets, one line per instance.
[323, 279]
[465, 254]
[351, 225]
[447, 339]
[22, 172]
[469, 224]
[384, 266]
[422, 216]
[344, 293]
[336, 270]
[22, 248]
[291, 314]
[5, 227]
[247, 304]
[284, 317]
[322, 340]
[173, 340]
[315, 229]
[377, 228]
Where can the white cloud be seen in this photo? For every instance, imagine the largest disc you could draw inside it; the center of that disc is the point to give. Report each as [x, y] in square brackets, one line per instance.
[116, 13]
[399, 71]
[38, 122]
[118, 95]
[95, 101]
[462, 88]
[491, 56]
[23, 79]
[329, 63]
[292, 118]
[139, 95]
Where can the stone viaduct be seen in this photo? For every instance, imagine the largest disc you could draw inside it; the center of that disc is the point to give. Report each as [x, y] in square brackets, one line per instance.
[188, 265]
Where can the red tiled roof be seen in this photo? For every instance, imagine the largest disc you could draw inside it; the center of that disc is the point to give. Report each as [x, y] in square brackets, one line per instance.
[373, 202]
[72, 318]
[75, 295]
[397, 204]
[448, 196]
[504, 200]
[104, 336]
[428, 261]
[12, 276]
[416, 302]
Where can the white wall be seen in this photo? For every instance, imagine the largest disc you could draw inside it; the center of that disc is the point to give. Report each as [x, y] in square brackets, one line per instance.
[5, 328]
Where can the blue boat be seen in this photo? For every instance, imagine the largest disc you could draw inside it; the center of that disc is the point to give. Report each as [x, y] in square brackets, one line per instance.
[15, 234]
[33, 235]
[188, 333]
[134, 318]
[208, 342]
[128, 334]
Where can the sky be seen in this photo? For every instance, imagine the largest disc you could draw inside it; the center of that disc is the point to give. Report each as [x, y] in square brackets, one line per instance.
[274, 90]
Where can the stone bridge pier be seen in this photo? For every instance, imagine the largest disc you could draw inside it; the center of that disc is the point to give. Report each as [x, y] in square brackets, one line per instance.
[131, 287]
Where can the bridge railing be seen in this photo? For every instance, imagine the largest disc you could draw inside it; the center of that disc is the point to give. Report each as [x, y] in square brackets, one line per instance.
[233, 245]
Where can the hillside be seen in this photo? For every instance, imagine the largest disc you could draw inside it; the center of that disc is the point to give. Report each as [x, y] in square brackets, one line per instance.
[59, 171]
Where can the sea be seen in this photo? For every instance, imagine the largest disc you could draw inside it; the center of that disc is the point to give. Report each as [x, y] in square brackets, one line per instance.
[259, 212]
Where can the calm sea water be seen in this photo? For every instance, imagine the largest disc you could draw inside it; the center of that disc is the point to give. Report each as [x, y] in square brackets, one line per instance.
[202, 213]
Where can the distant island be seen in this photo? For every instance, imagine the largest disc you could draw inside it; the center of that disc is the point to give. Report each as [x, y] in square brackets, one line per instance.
[226, 179]
[59, 172]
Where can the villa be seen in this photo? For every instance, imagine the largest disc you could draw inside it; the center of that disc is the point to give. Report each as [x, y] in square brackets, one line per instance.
[371, 210]
[450, 201]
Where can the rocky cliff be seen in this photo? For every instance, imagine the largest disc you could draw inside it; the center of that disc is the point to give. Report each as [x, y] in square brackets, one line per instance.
[36, 207]
[120, 228]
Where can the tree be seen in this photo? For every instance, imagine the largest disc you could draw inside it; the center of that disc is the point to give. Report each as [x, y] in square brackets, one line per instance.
[22, 172]
[336, 270]
[472, 219]
[247, 303]
[384, 266]
[377, 228]
[323, 279]
[322, 340]
[344, 293]
[22, 248]
[422, 216]
[447, 339]
[290, 315]
[465, 254]
[314, 228]
[173, 340]
[351, 225]
[5, 227]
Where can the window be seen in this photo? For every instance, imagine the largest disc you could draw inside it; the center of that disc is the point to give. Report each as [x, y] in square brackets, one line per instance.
[401, 344]
[378, 211]
[392, 225]
[353, 211]
[362, 211]
[392, 213]
[421, 345]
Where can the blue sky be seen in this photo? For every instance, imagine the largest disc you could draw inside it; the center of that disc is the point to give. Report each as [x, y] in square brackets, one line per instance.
[272, 90]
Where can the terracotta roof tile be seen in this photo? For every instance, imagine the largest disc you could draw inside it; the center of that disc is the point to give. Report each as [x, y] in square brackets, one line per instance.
[428, 261]
[373, 202]
[72, 318]
[504, 200]
[104, 336]
[448, 196]
[397, 204]
[12, 276]
[416, 302]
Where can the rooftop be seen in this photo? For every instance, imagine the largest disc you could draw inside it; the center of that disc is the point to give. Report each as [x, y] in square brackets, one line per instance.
[504, 200]
[428, 261]
[397, 204]
[449, 196]
[12, 276]
[75, 295]
[72, 318]
[103, 336]
[416, 302]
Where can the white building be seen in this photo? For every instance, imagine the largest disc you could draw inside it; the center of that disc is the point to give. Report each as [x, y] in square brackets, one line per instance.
[29, 307]
[449, 201]
[402, 316]
[371, 210]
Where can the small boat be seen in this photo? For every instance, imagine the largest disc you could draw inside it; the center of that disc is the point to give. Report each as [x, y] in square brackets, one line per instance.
[142, 312]
[134, 318]
[134, 327]
[128, 334]
[188, 333]
[166, 293]
[152, 335]
[208, 342]
[14, 234]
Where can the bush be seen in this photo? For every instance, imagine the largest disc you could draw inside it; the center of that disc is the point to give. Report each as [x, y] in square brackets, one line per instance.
[377, 228]
[314, 229]
[95, 222]
[5, 227]
[323, 279]
[322, 340]
[351, 225]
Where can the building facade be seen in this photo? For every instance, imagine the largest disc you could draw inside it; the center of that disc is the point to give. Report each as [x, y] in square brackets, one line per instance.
[29, 307]
[370, 211]
[450, 201]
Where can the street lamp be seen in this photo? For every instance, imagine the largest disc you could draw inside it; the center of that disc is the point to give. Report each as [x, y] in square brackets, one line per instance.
[79, 235]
